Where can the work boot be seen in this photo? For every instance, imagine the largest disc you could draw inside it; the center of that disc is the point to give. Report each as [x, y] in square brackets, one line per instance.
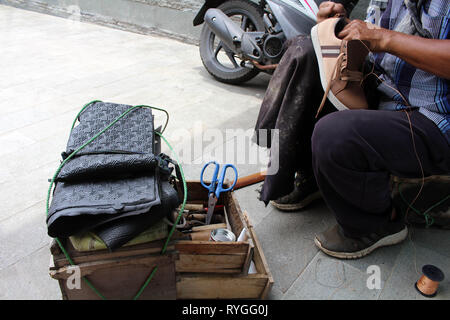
[305, 192]
[335, 243]
[341, 65]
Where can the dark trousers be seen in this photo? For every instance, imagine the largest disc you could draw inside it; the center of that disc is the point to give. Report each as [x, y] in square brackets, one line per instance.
[356, 151]
[353, 152]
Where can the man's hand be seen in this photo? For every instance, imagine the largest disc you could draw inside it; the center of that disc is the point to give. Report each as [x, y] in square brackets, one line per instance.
[360, 30]
[329, 9]
[432, 55]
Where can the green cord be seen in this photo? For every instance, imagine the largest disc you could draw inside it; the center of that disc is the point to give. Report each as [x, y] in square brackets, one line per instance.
[145, 284]
[159, 109]
[82, 147]
[139, 106]
[180, 214]
[72, 263]
[82, 109]
[429, 220]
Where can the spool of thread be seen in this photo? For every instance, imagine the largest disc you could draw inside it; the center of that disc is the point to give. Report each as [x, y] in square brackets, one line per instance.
[429, 282]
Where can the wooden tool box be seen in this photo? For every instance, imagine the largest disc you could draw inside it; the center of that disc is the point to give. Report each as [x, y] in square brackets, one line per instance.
[189, 269]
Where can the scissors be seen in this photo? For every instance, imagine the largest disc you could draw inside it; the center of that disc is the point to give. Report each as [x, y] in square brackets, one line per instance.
[215, 188]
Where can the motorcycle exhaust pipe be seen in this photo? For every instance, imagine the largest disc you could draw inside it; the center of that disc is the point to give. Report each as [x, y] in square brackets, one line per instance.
[224, 28]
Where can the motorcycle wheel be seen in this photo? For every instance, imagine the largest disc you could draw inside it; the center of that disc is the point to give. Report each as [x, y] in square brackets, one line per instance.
[220, 61]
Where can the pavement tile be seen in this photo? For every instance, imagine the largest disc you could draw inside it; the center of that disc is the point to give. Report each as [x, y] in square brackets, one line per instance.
[434, 239]
[288, 241]
[23, 234]
[331, 279]
[408, 269]
[247, 198]
[26, 190]
[382, 257]
[28, 278]
[13, 141]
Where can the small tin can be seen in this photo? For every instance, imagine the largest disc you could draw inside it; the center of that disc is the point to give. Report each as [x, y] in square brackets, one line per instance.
[222, 235]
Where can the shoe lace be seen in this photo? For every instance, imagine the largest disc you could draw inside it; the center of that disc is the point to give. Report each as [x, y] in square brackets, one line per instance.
[345, 75]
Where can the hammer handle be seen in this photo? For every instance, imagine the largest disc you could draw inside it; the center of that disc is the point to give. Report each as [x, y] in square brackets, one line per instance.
[250, 179]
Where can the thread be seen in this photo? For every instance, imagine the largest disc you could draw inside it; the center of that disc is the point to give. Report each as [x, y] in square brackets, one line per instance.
[428, 283]
[425, 284]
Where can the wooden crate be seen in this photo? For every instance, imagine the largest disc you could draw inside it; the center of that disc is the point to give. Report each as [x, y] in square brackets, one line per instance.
[188, 270]
[215, 257]
[225, 272]
[118, 275]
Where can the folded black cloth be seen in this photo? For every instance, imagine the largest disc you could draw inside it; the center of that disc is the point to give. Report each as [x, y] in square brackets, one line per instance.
[115, 185]
[118, 232]
[83, 205]
[126, 147]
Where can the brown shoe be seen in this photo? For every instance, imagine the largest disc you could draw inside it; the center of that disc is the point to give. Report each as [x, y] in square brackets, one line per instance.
[340, 64]
[335, 243]
[305, 192]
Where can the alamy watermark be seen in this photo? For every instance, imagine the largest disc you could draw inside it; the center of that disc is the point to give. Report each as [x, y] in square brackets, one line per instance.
[74, 279]
[200, 145]
[374, 279]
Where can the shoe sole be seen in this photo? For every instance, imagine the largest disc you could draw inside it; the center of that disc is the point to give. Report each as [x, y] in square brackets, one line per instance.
[323, 78]
[386, 241]
[297, 206]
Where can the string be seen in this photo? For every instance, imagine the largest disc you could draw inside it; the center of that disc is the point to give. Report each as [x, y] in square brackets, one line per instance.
[408, 108]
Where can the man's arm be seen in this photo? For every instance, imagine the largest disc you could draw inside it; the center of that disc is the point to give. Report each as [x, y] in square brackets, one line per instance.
[431, 55]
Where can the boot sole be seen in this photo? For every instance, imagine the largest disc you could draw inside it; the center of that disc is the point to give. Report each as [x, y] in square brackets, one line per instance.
[299, 205]
[323, 78]
[383, 242]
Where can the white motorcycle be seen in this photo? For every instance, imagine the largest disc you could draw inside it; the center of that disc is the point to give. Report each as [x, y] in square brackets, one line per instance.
[241, 38]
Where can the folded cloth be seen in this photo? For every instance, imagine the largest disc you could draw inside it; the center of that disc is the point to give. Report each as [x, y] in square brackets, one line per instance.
[119, 232]
[114, 185]
[83, 205]
[126, 147]
[90, 241]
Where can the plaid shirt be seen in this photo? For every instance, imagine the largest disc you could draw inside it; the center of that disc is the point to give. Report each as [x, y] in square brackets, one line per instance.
[423, 90]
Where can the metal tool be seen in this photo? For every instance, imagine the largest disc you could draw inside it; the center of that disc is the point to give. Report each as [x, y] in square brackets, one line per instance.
[222, 235]
[215, 188]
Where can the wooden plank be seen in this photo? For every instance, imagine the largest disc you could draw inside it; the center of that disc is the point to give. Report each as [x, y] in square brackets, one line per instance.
[205, 270]
[88, 268]
[199, 194]
[123, 283]
[210, 227]
[207, 287]
[209, 263]
[234, 213]
[248, 259]
[55, 250]
[200, 235]
[83, 257]
[258, 257]
[120, 251]
[211, 247]
[196, 191]
[267, 289]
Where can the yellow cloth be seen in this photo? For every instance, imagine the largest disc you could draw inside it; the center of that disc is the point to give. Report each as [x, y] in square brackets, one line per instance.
[89, 241]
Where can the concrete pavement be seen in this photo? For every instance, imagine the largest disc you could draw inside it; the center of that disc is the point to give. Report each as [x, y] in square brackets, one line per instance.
[50, 67]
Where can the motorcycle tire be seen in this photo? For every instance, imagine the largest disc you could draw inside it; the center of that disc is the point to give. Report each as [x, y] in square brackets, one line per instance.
[223, 73]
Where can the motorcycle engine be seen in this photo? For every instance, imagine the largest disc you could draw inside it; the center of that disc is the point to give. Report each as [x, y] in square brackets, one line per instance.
[273, 46]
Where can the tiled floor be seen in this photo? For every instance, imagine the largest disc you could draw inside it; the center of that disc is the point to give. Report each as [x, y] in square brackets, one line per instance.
[51, 67]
